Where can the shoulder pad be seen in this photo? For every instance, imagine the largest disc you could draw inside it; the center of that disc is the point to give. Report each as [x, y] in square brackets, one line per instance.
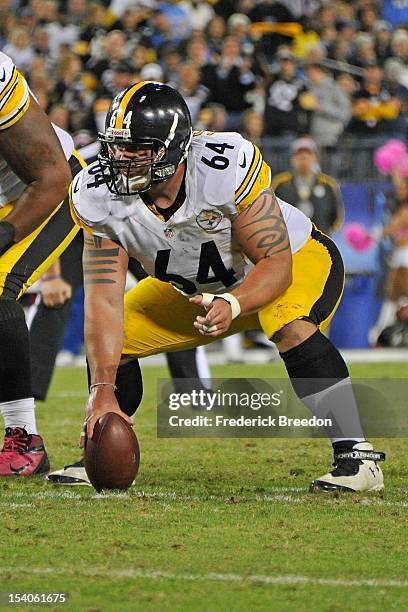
[14, 93]
[7, 68]
[90, 196]
[215, 158]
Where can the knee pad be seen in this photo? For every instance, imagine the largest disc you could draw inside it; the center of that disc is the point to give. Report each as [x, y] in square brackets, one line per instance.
[129, 387]
[314, 365]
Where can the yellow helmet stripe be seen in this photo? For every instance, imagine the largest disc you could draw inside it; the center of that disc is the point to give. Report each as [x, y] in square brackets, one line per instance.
[125, 101]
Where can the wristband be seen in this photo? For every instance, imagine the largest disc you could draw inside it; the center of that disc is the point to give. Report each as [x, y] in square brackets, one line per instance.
[7, 235]
[228, 297]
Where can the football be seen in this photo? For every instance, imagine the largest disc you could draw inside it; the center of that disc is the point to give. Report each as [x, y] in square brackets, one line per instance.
[112, 455]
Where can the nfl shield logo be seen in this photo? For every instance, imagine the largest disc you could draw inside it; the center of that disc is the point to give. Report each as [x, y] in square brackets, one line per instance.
[169, 232]
[208, 220]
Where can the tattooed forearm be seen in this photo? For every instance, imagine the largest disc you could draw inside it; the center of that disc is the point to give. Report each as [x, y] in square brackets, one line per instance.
[262, 228]
[95, 261]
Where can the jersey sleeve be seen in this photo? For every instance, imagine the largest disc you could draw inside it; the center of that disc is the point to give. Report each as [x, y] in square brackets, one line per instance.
[252, 177]
[14, 93]
[89, 205]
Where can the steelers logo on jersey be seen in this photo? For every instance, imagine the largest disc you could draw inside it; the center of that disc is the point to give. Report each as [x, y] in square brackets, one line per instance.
[209, 220]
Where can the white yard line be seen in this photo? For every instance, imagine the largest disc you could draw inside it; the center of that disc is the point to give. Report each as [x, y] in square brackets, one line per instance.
[132, 573]
[282, 495]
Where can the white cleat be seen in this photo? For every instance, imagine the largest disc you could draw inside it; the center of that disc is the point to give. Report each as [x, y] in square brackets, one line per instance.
[355, 470]
[71, 475]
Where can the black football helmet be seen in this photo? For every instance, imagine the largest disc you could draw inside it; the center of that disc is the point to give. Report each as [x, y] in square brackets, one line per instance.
[151, 123]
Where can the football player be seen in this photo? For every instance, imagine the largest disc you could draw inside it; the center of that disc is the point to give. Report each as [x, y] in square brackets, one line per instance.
[37, 164]
[193, 209]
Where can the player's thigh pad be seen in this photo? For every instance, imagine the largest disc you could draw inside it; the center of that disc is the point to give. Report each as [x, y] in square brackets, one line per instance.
[158, 318]
[316, 289]
[27, 260]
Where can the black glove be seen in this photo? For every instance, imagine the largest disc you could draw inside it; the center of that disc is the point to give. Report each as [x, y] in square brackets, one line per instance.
[7, 234]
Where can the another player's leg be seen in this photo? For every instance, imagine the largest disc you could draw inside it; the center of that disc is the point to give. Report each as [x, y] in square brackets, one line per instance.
[48, 324]
[23, 453]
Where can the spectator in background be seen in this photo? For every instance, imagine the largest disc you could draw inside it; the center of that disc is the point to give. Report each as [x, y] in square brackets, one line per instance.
[68, 72]
[59, 115]
[382, 32]
[374, 109]
[194, 93]
[253, 126]
[20, 49]
[177, 18]
[239, 26]
[114, 49]
[229, 80]
[399, 45]
[172, 63]
[215, 33]
[397, 281]
[199, 13]
[316, 194]
[197, 51]
[91, 36]
[60, 31]
[283, 113]
[140, 56]
[344, 44]
[368, 18]
[330, 106]
[347, 83]
[41, 43]
[116, 78]
[212, 117]
[364, 49]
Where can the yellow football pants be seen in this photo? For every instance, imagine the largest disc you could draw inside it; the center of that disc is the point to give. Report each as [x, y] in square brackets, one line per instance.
[158, 318]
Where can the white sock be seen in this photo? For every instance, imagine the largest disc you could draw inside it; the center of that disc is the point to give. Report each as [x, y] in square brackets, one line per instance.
[338, 404]
[20, 413]
[203, 369]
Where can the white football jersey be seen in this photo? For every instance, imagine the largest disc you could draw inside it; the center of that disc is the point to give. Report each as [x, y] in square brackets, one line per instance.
[14, 101]
[195, 249]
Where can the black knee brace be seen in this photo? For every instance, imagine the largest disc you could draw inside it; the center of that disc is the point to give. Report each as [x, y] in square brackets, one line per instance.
[314, 365]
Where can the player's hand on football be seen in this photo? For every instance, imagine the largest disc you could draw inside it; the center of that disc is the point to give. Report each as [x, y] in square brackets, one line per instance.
[217, 320]
[55, 291]
[102, 400]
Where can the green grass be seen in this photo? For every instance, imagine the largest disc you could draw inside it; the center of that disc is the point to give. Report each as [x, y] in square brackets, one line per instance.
[204, 520]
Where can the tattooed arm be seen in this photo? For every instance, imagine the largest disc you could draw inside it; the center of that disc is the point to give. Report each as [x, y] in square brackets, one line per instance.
[105, 266]
[31, 148]
[263, 237]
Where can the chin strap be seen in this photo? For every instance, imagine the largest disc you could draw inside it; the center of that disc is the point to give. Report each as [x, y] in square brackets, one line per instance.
[228, 297]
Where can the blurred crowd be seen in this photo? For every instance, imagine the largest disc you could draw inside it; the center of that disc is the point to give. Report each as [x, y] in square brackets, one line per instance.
[335, 70]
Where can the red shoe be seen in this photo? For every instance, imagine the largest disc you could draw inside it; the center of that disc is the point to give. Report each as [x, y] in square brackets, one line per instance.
[23, 454]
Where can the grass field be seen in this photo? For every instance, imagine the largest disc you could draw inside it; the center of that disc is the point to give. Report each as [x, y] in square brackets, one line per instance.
[210, 525]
